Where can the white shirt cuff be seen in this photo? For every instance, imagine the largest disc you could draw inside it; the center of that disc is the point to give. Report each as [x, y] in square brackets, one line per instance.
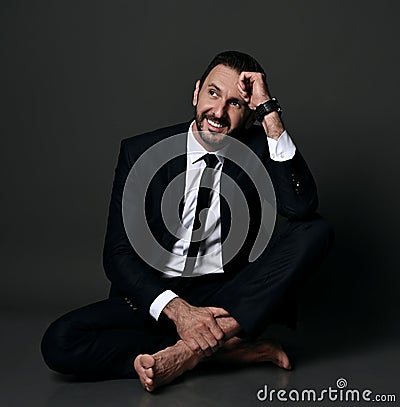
[160, 302]
[282, 149]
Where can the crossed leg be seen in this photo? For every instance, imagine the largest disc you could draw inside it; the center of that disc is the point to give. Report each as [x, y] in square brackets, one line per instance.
[101, 339]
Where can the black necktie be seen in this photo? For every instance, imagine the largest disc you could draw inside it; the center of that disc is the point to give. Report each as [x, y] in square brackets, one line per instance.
[203, 202]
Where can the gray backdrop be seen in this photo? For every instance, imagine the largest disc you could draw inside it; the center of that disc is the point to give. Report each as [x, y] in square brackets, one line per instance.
[79, 76]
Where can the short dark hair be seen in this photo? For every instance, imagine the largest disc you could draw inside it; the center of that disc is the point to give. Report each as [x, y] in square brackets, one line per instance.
[236, 60]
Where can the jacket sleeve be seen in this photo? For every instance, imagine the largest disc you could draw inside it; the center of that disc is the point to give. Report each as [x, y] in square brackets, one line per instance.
[123, 266]
[294, 185]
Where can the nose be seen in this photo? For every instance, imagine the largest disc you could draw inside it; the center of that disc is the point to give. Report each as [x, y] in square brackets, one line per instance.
[219, 109]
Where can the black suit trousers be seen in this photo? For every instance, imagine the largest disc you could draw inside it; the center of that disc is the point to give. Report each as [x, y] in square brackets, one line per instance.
[103, 339]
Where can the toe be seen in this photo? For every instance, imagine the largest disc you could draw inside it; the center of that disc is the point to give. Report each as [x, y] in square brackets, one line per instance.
[149, 372]
[150, 388]
[284, 361]
[147, 361]
[138, 365]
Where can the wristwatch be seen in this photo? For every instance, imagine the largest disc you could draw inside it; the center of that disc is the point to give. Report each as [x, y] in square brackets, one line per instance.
[267, 107]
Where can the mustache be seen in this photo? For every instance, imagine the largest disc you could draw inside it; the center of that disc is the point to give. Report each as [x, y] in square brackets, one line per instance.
[220, 120]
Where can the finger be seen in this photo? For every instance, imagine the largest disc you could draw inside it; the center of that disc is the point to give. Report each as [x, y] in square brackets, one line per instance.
[202, 340]
[245, 89]
[213, 344]
[208, 351]
[197, 343]
[193, 345]
[245, 95]
[219, 312]
[248, 78]
[217, 332]
[242, 92]
[242, 86]
[245, 80]
[210, 339]
[245, 76]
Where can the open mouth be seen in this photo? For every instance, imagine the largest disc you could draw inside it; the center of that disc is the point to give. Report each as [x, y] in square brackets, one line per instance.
[214, 126]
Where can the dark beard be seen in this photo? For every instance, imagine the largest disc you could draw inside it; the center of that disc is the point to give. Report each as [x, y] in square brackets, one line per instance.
[199, 120]
[203, 133]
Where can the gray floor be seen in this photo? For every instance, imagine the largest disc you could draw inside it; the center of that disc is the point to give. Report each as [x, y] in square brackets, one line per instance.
[320, 354]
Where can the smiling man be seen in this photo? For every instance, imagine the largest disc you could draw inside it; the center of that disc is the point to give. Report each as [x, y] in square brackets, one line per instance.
[160, 322]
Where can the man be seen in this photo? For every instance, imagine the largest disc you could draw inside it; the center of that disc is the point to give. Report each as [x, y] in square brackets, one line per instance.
[161, 321]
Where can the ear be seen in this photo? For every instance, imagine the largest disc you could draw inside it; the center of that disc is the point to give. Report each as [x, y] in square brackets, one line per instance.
[196, 93]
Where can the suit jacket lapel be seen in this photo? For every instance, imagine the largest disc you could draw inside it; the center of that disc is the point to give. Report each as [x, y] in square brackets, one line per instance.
[176, 168]
[232, 171]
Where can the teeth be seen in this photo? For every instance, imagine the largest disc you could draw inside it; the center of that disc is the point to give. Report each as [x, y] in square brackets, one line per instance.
[217, 125]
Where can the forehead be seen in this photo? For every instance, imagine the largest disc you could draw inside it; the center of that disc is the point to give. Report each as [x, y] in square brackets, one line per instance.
[224, 77]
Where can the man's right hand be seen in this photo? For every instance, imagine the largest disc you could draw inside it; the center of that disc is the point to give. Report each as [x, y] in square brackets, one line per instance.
[196, 326]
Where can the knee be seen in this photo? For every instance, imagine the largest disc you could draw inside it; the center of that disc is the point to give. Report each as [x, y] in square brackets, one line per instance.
[316, 232]
[55, 347]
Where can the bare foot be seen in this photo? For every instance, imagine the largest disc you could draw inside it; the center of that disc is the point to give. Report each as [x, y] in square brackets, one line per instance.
[165, 366]
[240, 351]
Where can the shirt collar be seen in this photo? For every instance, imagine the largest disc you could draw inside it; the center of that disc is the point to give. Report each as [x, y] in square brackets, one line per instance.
[196, 151]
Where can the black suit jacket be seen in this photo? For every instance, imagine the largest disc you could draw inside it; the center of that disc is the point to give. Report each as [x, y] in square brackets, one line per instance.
[294, 186]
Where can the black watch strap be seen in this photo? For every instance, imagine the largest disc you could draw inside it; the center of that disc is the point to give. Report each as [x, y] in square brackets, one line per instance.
[267, 107]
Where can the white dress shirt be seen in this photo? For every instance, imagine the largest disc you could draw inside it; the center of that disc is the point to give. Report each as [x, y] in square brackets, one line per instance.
[210, 260]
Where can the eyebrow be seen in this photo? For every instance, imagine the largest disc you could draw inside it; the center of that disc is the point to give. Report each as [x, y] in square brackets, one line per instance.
[240, 101]
[213, 85]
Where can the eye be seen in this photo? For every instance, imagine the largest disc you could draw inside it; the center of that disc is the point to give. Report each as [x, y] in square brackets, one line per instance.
[212, 92]
[235, 103]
